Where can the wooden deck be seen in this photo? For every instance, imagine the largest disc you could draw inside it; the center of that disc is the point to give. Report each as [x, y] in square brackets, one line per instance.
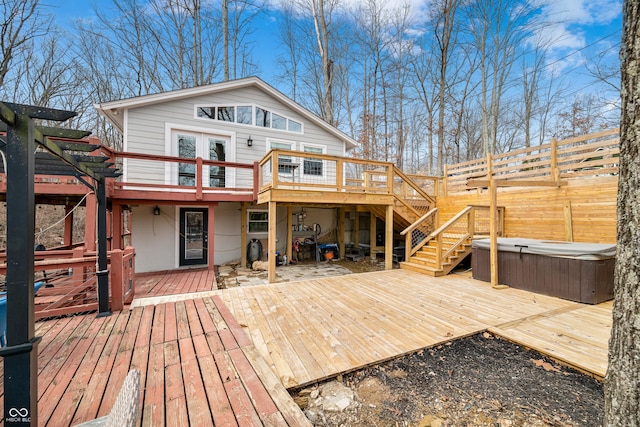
[229, 358]
[315, 329]
[197, 368]
[175, 282]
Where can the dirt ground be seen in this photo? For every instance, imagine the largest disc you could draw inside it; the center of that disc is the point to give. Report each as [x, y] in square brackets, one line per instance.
[476, 381]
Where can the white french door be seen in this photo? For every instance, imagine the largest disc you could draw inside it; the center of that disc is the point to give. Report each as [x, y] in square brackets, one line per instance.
[190, 145]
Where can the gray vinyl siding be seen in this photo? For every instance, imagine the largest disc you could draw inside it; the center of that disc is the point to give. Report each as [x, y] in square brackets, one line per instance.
[146, 130]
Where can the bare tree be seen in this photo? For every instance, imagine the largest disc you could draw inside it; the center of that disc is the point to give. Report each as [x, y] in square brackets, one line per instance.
[443, 15]
[321, 23]
[242, 16]
[622, 399]
[289, 37]
[22, 22]
[225, 37]
[498, 28]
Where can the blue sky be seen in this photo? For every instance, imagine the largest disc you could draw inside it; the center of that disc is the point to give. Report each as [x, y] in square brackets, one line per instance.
[582, 26]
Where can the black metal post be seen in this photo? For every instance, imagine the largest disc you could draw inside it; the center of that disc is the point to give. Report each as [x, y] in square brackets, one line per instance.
[21, 353]
[103, 272]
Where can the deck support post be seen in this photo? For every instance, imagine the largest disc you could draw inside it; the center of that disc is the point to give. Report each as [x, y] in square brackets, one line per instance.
[90, 222]
[289, 250]
[68, 225]
[103, 267]
[356, 225]
[372, 236]
[388, 241]
[243, 235]
[341, 232]
[116, 226]
[211, 240]
[271, 272]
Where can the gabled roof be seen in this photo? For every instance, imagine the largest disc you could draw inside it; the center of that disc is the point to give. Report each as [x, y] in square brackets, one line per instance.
[113, 110]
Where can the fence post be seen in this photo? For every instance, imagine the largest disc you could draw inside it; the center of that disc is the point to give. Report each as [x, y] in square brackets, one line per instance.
[555, 172]
[444, 181]
[117, 280]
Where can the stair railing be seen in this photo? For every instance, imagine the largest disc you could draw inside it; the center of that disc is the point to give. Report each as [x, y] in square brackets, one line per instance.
[411, 194]
[462, 225]
[418, 233]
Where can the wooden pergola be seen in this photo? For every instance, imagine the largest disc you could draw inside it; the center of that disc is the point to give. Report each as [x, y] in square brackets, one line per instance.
[21, 161]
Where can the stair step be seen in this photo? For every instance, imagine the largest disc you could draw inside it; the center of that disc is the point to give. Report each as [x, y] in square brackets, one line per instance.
[421, 269]
[422, 261]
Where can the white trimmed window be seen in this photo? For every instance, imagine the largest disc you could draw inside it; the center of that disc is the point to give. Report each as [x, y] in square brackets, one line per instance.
[252, 115]
[311, 166]
[257, 221]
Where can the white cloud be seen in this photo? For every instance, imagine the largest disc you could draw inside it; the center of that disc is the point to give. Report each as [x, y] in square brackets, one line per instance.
[583, 12]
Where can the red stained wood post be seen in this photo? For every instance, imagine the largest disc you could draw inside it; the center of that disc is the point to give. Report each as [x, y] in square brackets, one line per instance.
[78, 272]
[129, 268]
[199, 178]
[91, 210]
[116, 226]
[210, 240]
[68, 225]
[117, 280]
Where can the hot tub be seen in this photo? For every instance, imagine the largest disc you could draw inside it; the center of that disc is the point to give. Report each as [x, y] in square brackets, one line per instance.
[581, 272]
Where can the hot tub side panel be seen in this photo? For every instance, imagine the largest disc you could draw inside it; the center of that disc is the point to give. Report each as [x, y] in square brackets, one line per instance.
[586, 281]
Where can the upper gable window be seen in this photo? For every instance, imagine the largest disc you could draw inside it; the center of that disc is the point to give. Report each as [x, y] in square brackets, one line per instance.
[251, 115]
[226, 114]
[245, 114]
[294, 126]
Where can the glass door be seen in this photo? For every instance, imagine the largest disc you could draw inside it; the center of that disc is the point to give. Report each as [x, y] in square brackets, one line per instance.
[193, 236]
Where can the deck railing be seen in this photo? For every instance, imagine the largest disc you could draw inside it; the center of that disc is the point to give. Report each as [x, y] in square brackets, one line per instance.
[193, 176]
[71, 281]
[596, 154]
[418, 233]
[309, 171]
[409, 193]
[453, 234]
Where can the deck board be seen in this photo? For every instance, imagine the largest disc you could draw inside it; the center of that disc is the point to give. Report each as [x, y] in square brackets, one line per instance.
[189, 374]
[175, 282]
[315, 329]
[226, 358]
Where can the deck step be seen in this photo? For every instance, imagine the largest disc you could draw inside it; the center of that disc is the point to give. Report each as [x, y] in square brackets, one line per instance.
[419, 268]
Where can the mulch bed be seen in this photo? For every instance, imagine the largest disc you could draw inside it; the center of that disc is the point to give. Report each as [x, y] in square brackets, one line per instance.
[481, 380]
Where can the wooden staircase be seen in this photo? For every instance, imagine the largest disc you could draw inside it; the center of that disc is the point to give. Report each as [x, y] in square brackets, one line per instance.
[439, 252]
[409, 204]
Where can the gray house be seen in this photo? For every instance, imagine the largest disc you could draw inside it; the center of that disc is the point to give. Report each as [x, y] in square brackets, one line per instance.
[191, 170]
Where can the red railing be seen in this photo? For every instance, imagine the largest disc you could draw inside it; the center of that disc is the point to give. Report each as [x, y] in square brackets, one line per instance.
[179, 178]
[71, 283]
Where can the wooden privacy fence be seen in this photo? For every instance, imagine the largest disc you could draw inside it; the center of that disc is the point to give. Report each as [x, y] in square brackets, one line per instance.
[71, 281]
[595, 154]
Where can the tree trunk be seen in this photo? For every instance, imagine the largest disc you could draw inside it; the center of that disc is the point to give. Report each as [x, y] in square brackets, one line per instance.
[622, 394]
[225, 37]
[322, 38]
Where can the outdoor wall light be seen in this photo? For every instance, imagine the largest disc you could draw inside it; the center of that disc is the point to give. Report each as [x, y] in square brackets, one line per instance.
[156, 210]
[249, 141]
